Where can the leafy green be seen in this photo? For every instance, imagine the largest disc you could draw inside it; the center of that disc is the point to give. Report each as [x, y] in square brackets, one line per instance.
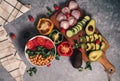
[32, 70]
[88, 66]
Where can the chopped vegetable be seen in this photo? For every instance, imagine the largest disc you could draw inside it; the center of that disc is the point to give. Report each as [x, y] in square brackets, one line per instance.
[65, 49]
[72, 21]
[45, 26]
[76, 14]
[73, 5]
[56, 36]
[64, 24]
[65, 10]
[61, 17]
[77, 28]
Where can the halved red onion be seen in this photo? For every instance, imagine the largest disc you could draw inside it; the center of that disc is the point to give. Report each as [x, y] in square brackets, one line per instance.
[65, 10]
[73, 5]
[76, 14]
[61, 17]
[72, 21]
[64, 24]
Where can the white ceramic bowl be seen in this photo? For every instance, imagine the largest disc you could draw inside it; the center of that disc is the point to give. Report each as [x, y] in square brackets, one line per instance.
[45, 38]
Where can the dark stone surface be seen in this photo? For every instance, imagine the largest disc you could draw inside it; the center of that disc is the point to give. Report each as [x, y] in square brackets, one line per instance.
[107, 16]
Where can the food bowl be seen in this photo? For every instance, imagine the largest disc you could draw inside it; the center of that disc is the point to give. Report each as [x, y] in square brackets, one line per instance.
[40, 51]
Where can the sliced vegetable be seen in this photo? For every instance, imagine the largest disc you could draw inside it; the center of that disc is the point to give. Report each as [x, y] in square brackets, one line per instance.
[73, 5]
[64, 24]
[76, 14]
[45, 26]
[95, 55]
[77, 28]
[61, 17]
[65, 49]
[49, 44]
[103, 45]
[65, 10]
[72, 21]
[56, 36]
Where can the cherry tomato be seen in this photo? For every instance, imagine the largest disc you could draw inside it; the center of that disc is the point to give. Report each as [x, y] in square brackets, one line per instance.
[41, 41]
[30, 45]
[49, 44]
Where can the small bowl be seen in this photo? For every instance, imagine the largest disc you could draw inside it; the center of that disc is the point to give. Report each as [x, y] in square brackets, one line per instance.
[38, 60]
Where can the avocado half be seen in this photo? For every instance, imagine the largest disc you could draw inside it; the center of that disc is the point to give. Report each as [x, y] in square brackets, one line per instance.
[95, 55]
[90, 28]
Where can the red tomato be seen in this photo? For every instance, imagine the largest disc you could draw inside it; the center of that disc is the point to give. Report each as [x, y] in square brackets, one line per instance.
[35, 42]
[41, 41]
[49, 44]
[30, 45]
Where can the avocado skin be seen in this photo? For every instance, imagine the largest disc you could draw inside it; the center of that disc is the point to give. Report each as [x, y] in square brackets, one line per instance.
[76, 59]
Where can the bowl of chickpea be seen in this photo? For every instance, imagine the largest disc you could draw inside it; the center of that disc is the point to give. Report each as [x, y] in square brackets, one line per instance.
[40, 51]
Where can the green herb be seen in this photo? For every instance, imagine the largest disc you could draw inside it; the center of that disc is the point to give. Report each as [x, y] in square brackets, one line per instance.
[80, 69]
[42, 51]
[57, 57]
[88, 66]
[32, 70]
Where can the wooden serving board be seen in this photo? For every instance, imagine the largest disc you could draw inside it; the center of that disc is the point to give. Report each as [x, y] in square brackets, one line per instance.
[103, 60]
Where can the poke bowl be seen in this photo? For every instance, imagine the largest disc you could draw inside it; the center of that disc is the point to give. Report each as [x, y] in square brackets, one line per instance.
[40, 51]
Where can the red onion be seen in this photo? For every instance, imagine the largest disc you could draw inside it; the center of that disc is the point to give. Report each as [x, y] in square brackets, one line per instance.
[72, 21]
[64, 24]
[76, 14]
[60, 17]
[65, 10]
[72, 5]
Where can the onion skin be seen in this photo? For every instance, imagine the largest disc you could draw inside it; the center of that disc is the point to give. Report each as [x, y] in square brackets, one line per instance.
[65, 10]
[72, 21]
[64, 24]
[72, 5]
[61, 17]
[76, 14]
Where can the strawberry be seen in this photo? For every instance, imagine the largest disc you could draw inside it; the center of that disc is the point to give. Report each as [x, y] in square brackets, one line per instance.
[12, 35]
[56, 7]
[31, 19]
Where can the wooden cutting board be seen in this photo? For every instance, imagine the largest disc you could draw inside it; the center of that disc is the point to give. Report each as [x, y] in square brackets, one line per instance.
[103, 60]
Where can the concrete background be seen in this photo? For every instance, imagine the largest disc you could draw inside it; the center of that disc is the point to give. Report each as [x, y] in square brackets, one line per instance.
[107, 15]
